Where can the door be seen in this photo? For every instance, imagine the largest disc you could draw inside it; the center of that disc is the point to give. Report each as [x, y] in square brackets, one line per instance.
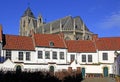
[83, 72]
[105, 71]
[18, 68]
[51, 69]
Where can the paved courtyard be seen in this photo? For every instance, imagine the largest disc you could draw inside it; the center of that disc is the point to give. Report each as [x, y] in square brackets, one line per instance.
[99, 80]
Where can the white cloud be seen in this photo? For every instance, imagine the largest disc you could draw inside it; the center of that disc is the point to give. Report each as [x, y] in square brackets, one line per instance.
[112, 21]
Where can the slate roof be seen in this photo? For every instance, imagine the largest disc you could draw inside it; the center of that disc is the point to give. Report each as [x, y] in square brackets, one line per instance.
[28, 12]
[15, 42]
[43, 40]
[80, 46]
[67, 23]
[108, 43]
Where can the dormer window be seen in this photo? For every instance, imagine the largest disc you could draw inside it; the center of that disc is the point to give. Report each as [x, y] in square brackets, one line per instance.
[51, 44]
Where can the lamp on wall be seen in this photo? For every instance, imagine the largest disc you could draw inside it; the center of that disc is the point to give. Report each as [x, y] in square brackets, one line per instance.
[116, 53]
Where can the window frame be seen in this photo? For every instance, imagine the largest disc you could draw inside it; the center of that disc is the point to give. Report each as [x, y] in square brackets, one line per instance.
[40, 54]
[28, 56]
[62, 55]
[8, 54]
[47, 53]
[20, 56]
[90, 58]
[105, 56]
[83, 58]
[72, 57]
[54, 55]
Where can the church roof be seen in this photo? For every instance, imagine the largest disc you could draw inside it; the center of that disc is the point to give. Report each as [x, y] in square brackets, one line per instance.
[44, 40]
[67, 23]
[28, 12]
[14, 42]
[80, 46]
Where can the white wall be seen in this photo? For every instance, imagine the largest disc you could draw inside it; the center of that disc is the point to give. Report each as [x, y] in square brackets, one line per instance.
[78, 57]
[14, 56]
[58, 60]
[111, 56]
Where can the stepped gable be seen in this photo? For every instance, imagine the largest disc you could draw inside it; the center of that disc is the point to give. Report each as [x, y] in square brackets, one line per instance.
[80, 46]
[14, 42]
[44, 40]
[108, 43]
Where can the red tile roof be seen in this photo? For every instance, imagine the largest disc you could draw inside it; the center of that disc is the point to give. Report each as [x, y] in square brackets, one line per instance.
[44, 40]
[80, 46]
[0, 33]
[18, 42]
[109, 43]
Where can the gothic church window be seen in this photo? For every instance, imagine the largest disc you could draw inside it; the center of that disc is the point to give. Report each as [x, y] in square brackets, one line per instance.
[24, 24]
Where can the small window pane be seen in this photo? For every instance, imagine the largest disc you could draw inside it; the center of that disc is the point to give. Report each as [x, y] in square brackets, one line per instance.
[105, 56]
[61, 55]
[20, 56]
[40, 55]
[8, 54]
[89, 58]
[72, 57]
[47, 55]
[54, 55]
[27, 55]
[83, 58]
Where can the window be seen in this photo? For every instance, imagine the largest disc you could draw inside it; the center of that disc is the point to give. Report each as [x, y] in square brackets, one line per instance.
[72, 57]
[27, 55]
[20, 57]
[8, 54]
[61, 55]
[89, 58]
[51, 44]
[54, 55]
[40, 55]
[105, 56]
[83, 58]
[47, 55]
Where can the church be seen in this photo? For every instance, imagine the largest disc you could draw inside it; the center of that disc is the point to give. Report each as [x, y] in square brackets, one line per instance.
[61, 45]
[73, 28]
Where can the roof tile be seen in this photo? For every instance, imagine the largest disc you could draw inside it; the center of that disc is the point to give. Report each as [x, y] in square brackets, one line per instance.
[18, 42]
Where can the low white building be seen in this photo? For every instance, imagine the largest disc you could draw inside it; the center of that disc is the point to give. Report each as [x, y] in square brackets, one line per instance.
[50, 52]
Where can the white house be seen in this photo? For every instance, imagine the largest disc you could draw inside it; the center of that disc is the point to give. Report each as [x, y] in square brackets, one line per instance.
[50, 52]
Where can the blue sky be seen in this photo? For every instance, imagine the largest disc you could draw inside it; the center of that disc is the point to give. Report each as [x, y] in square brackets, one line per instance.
[102, 17]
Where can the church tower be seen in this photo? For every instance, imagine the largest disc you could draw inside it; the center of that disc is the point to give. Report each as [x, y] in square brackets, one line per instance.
[28, 23]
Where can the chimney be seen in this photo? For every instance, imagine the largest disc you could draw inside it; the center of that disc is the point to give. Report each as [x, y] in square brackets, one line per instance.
[95, 37]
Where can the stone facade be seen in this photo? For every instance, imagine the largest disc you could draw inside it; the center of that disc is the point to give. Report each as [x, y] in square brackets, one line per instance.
[73, 28]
